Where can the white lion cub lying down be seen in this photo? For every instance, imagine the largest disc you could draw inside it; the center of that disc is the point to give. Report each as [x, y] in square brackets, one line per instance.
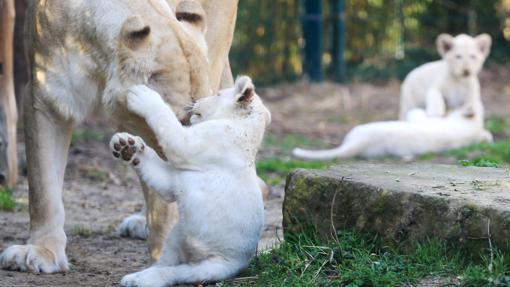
[406, 139]
[210, 172]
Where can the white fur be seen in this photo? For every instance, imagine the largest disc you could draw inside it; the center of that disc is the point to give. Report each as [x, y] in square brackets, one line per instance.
[134, 226]
[210, 172]
[417, 135]
[451, 83]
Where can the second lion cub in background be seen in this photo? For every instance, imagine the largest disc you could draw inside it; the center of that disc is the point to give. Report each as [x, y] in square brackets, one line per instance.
[451, 83]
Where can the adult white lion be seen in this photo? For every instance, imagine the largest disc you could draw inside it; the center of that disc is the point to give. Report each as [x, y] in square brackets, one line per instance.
[84, 54]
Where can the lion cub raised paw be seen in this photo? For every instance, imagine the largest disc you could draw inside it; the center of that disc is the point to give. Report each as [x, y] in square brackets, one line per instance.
[125, 146]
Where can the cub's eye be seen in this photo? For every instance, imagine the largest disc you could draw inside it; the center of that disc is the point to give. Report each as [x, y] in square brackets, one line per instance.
[198, 114]
[458, 56]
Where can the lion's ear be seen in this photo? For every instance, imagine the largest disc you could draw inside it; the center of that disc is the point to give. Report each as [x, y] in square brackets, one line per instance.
[134, 33]
[192, 13]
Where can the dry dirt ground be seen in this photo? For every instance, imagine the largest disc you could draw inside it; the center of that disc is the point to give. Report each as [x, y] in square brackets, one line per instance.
[99, 192]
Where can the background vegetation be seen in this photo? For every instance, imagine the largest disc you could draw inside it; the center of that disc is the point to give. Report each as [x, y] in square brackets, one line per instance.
[384, 38]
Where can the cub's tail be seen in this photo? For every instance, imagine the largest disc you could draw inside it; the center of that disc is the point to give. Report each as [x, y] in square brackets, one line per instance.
[318, 154]
[346, 150]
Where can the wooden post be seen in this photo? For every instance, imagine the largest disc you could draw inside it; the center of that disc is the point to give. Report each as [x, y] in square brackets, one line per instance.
[7, 97]
[338, 39]
[312, 34]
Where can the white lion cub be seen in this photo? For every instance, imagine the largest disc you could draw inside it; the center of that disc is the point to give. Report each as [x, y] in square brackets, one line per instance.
[451, 83]
[210, 172]
[417, 135]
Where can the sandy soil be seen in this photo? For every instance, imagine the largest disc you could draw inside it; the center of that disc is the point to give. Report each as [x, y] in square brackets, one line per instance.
[99, 192]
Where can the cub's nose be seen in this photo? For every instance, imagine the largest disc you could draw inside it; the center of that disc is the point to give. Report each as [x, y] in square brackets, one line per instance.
[466, 73]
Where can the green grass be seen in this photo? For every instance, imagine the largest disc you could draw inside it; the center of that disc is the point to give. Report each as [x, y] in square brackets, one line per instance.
[284, 144]
[489, 155]
[81, 231]
[84, 134]
[483, 155]
[7, 201]
[497, 126]
[287, 165]
[273, 169]
[352, 260]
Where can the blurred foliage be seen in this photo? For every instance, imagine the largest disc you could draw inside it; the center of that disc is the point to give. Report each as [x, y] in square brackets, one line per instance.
[7, 201]
[385, 38]
[266, 43]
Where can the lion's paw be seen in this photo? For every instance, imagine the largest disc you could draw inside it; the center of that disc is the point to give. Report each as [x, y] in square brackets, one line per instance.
[134, 226]
[32, 258]
[126, 146]
[148, 277]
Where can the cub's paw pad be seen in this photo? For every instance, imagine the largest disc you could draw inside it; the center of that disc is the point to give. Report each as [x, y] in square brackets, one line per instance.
[125, 146]
[32, 258]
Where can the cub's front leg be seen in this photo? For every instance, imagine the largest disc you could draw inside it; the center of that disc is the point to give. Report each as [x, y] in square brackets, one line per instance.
[148, 165]
[435, 103]
[175, 139]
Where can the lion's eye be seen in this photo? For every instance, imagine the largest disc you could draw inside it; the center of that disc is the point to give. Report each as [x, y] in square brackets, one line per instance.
[473, 56]
[458, 56]
[156, 75]
[153, 77]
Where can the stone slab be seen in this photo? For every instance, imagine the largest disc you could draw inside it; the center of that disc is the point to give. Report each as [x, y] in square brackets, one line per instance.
[465, 205]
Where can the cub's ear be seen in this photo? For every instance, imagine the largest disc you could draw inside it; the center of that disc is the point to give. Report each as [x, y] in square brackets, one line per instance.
[191, 12]
[245, 90]
[484, 42]
[444, 44]
[134, 33]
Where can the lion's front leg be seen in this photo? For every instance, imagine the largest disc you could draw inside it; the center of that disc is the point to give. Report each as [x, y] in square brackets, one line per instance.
[161, 217]
[47, 144]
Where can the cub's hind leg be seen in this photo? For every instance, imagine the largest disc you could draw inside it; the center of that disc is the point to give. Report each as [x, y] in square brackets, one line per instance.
[209, 270]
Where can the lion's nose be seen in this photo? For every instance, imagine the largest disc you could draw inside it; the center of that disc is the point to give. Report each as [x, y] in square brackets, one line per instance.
[466, 73]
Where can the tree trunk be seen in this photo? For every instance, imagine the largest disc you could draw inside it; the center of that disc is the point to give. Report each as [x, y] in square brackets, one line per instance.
[7, 97]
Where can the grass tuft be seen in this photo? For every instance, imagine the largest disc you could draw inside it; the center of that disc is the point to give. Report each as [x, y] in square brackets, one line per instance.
[274, 168]
[81, 231]
[7, 202]
[87, 135]
[352, 260]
